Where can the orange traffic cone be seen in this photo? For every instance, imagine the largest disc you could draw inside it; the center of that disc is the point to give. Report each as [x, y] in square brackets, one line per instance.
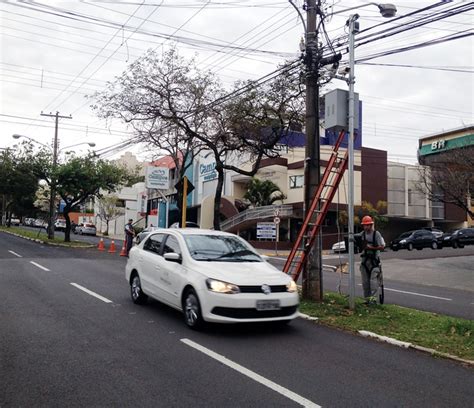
[123, 252]
[112, 248]
[101, 246]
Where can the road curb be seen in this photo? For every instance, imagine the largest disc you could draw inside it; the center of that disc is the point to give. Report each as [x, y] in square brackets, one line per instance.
[48, 243]
[308, 317]
[404, 344]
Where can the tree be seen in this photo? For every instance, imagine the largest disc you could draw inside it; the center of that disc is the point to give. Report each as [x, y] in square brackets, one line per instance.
[79, 178]
[449, 178]
[260, 193]
[108, 210]
[163, 94]
[19, 181]
[367, 208]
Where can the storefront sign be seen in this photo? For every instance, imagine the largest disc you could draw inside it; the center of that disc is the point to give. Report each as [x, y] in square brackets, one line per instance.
[157, 178]
[207, 171]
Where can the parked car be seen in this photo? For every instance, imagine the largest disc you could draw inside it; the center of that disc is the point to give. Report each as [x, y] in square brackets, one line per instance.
[339, 247]
[14, 221]
[60, 225]
[211, 276]
[189, 224]
[86, 229]
[29, 222]
[142, 234]
[436, 232]
[458, 238]
[418, 239]
[39, 223]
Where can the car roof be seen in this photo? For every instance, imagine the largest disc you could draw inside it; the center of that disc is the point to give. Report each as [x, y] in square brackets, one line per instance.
[191, 231]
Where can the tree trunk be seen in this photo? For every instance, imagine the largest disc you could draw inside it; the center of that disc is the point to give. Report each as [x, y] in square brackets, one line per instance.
[106, 227]
[217, 198]
[67, 231]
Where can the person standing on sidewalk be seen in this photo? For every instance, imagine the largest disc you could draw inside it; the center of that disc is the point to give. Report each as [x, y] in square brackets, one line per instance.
[373, 243]
[129, 234]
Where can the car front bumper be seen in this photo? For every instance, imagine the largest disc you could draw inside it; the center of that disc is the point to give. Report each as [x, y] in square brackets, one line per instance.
[242, 307]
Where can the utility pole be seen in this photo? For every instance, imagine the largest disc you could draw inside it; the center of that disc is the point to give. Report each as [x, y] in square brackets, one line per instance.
[52, 185]
[312, 272]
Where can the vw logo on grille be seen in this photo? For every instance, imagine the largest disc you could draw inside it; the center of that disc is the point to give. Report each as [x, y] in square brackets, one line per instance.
[266, 289]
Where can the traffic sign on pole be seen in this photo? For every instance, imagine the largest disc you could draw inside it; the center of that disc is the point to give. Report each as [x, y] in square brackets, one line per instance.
[276, 220]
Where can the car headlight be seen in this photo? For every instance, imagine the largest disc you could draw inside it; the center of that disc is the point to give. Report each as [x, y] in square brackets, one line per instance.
[403, 241]
[291, 286]
[222, 287]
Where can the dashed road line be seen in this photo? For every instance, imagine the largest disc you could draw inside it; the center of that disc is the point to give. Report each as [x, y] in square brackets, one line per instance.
[39, 266]
[254, 376]
[104, 299]
[14, 253]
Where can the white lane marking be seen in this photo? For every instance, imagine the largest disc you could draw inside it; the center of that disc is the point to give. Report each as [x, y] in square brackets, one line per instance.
[14, 253]
[415, 293]
[91, 293]
[39, 266]
[254, 376]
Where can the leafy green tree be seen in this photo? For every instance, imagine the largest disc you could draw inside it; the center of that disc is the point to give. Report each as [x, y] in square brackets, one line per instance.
[377, 212]
[260, 193]
[19, 182]
[80, 178]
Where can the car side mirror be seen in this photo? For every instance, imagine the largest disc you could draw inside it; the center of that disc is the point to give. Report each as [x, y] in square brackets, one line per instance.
[173, 257]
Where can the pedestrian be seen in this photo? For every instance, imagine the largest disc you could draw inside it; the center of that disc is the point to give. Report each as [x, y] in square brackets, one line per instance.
[129, 234]
[372, 244]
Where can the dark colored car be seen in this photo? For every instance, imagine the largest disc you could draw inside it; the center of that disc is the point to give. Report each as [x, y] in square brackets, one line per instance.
[458, 238]
[418, 239]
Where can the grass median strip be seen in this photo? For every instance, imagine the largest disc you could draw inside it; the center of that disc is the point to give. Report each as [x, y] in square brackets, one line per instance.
[444, 334]
[43, 237]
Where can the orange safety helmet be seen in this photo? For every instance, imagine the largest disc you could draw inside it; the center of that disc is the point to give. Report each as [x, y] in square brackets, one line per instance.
[367, 220]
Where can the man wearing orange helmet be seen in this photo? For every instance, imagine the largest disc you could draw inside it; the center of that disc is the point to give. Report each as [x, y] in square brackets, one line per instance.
[373, 243]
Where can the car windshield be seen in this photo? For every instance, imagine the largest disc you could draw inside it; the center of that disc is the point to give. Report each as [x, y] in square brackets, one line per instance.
[220, 248]
[405, 234]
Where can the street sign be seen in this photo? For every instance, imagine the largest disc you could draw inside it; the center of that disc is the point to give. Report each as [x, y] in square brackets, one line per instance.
[266, 230]
[276, 220]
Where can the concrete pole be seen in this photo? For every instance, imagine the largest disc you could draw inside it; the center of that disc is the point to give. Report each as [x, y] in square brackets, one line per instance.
[312, 273]
[350, 204]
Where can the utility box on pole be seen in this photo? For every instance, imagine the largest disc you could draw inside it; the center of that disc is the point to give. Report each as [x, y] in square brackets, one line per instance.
[336, 110]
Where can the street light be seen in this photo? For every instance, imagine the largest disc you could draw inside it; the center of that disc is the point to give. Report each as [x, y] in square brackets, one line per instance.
[386, 10]
[52, 186]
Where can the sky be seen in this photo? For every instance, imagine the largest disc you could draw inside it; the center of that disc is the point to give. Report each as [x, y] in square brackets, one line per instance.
[54, 53]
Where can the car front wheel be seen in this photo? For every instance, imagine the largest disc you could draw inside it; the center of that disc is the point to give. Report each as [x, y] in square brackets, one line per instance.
[136, 292]
[192, 310]
[410, 246]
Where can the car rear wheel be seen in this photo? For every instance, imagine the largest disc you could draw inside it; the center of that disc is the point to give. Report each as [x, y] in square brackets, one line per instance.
[410, 246]
[192, 310]
[136, 292]
[434, 245]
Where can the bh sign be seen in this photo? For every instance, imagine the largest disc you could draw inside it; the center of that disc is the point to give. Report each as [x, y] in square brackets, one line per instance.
[157, 177]
[440, 144]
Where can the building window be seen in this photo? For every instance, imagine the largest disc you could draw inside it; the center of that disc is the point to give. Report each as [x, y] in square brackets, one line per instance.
[296, 181]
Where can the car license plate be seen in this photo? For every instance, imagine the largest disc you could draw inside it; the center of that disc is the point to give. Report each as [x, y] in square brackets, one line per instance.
[268, 305]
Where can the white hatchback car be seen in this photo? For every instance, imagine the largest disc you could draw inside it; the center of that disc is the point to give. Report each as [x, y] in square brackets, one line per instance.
[211, 276]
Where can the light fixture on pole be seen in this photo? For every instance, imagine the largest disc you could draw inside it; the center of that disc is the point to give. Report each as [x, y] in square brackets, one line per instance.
[386, 10]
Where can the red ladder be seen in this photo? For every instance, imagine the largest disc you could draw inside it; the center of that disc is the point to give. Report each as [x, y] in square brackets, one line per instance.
[322, 198]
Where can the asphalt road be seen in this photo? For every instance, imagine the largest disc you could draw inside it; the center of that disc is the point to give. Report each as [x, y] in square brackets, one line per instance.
[70, 336]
